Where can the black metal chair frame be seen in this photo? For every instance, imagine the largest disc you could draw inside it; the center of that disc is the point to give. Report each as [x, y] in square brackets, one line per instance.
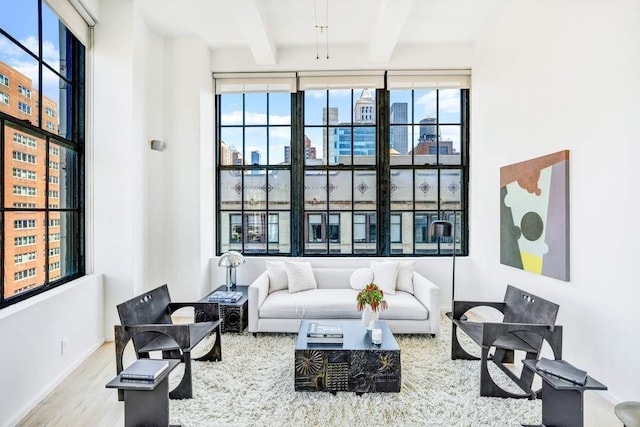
[146, 320]
[528, 321]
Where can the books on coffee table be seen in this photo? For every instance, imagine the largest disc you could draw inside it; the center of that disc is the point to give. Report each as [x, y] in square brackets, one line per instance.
[319, 333]
[144, 370]
[325, 340]
[225, 296]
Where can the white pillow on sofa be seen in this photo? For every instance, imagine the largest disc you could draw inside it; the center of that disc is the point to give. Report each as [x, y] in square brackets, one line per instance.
[361, 278]
[405, 276]
[385, 274]
[277, 276]
[300, 276]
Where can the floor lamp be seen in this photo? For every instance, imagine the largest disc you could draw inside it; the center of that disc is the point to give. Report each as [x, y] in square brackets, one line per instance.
[441, 228]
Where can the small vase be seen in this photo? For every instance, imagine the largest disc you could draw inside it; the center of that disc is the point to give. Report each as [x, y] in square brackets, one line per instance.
[369, 316]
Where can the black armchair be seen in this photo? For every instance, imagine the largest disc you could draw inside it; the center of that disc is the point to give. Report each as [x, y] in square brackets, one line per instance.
[528, 321]
[146, 319]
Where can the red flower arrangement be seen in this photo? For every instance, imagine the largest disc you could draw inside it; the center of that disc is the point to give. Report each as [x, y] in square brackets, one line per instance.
[373, 296]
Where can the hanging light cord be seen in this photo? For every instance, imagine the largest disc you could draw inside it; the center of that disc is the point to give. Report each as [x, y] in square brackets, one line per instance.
[321, 28]
[315, 18]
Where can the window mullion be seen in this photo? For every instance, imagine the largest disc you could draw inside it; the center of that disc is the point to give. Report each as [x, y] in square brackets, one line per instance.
[464, 211]
[297, 176]
[383, 171]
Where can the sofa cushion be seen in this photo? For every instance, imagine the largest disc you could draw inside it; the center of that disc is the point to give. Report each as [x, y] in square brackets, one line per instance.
[336, 304]
[385, 274]
[360, 278]
[300, 276]
[277, 276]
[311, 304]
[404, 306]
[404, 282]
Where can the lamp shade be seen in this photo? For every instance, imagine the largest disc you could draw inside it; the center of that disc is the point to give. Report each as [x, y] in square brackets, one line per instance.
[441, 228]
[231, 259]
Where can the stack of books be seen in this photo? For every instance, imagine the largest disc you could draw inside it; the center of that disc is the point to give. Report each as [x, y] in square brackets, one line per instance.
[144, 371]
[324, 334]
[562, 369]
[225, 296]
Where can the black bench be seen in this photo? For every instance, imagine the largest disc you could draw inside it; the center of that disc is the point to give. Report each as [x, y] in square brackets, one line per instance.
[146, 319]
[528, 321]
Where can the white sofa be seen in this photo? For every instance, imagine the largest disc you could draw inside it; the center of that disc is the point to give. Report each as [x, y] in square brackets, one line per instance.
[279, 310]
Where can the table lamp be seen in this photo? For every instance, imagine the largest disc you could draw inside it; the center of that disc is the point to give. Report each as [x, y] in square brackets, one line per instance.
[231, 260]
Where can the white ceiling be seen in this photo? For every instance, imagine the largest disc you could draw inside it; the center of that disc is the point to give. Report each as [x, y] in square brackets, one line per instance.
[265, 26]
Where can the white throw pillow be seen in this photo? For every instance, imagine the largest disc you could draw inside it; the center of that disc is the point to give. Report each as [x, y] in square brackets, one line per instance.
[300, 276]
[405, 276]
[361, 278]
[277, 276]
[385, 274]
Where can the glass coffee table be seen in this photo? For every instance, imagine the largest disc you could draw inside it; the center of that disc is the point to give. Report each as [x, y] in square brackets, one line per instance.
[357, 365]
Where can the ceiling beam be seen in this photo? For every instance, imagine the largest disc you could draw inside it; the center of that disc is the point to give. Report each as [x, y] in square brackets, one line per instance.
[251, 20]
[392, 15]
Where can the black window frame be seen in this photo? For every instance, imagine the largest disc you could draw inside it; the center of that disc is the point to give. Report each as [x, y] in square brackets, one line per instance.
[299, 226]
[73, 141]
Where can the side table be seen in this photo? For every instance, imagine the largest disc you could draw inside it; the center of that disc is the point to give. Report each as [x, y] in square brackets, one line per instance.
[146, 403]
[233, 315]
[562, 400]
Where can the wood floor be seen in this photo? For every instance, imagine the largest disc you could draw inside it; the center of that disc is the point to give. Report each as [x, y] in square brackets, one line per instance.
[83, 400]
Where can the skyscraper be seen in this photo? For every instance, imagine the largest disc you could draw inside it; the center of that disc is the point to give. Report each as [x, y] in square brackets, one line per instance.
[362, 139]
[399, 137]
[255, 157]
[328, 138]
[428, 129]
[365, 108]
[309, 151]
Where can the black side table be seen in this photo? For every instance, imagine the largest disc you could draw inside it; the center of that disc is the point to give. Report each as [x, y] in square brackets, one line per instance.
[234, 315]
[146, 403]
[562, 400]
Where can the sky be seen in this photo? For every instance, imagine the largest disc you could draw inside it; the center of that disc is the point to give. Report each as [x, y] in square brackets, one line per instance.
[19, 18]
[279, 113]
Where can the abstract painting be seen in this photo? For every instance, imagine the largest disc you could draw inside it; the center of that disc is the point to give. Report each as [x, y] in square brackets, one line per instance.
[534, 215]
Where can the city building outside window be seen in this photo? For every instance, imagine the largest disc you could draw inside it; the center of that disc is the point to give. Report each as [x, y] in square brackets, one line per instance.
[359, 187]
[41, 211]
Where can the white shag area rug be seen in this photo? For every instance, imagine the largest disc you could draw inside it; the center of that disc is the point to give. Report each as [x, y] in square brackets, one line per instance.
[253, 386]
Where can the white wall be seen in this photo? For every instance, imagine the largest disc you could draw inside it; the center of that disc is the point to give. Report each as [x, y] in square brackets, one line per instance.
[31, 332]
[117, 156]
[188, 177]
[548, 76]
[153, 209]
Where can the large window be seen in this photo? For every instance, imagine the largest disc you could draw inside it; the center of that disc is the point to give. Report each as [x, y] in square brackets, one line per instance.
[427, 166]
[367, 167]
[41, 139]
[254, 172]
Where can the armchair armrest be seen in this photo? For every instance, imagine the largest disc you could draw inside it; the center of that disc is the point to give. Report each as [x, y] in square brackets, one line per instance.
[461, 307]
[179, 333]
